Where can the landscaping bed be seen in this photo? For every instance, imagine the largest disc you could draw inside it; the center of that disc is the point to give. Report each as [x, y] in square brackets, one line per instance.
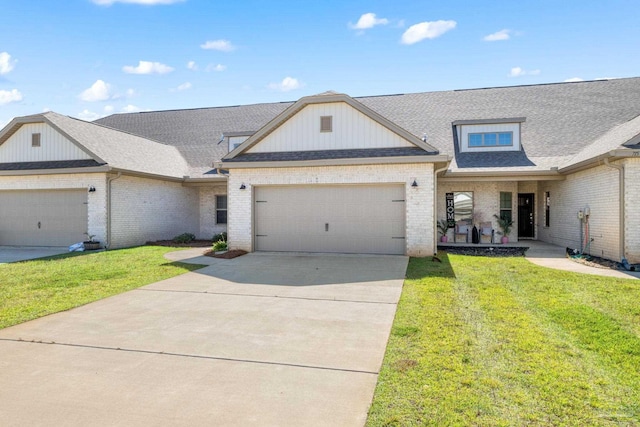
[501, 251]
[227, 254]
[173, 244]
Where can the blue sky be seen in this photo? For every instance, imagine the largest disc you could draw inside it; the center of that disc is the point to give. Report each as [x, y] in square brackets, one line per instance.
[91, 58]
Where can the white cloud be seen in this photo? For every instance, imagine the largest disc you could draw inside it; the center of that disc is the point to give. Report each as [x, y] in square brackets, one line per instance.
[573, 79]
[287, 84]
[497, 36]
[147, 67]
[221, 45]
[108, 109]
[99, 91]
[8, 96]
[218, 67]
[143, 2]
[6, 63]
[426, 30]
[88, 115]
[130, 109]
[368, 20]
[192, 65]
[519, 72]
[131, 93]
[183, 86]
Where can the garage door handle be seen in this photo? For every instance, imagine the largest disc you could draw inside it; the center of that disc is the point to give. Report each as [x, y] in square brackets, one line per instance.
[39, 224]
[326, 226]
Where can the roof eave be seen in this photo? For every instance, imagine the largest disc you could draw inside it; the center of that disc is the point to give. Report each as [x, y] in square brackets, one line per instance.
[97, 169]
[334, 162]
[621, 153]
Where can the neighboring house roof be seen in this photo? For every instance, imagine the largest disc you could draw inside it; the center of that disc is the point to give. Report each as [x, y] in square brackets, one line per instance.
[562, 121]
[55, 164]
[117, 149]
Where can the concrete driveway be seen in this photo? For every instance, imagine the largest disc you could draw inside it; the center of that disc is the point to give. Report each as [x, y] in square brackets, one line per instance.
[262, 339]
[22, 253]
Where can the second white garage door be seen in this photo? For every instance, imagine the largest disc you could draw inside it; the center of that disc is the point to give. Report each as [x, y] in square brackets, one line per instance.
[43, 217]
[368, 219]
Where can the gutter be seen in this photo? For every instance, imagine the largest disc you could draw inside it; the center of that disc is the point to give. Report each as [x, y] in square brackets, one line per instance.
[333, 162]
[620, 169]
[435, 206]
[109, 181]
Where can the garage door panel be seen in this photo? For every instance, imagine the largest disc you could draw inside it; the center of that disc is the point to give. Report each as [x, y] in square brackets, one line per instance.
[320, 218]
[43, 217]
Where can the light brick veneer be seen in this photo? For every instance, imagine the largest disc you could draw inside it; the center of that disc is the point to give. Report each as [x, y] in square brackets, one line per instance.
[419, 200]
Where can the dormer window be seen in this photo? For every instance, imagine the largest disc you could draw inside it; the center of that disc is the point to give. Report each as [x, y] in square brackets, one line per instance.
[488, 134]
[491, 139]
[35, 140]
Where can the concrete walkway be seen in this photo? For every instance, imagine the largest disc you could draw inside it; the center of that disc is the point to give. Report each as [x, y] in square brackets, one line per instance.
[22, 253]
[263, 339]
[552, 256]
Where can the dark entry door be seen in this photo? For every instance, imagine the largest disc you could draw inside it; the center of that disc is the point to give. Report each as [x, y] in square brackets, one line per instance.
[526, 216]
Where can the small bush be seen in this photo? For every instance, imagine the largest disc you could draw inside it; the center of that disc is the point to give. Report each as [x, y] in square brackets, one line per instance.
[220, 245]
[184, 238]
[222, 237]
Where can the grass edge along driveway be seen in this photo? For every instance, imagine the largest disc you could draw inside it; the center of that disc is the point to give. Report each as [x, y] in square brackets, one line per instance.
[500, 341]
[36, 288]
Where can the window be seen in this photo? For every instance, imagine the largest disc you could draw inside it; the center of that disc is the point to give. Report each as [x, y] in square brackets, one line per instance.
[326, 124]
[221, 209]
[491, 139]
[463, 205]
[505, 205]
[547, 205]
[35, 140]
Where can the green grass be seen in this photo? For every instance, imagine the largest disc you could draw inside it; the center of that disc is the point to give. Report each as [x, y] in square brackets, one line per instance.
[32, 289]
[500, 341]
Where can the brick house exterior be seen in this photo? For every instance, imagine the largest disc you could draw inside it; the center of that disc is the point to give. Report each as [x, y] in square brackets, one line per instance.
[560, 149]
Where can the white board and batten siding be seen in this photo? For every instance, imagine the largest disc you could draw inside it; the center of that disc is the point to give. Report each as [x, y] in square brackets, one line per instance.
[53, 146]
[351, 130]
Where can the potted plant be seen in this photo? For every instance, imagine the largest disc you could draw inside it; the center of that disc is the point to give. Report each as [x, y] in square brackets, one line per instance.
[505, 225]
[91, 244]
[443, 227]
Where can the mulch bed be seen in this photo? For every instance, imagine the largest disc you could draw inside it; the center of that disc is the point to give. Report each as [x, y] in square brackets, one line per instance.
[497, 250]
[171, 243]
[226, 255]
[597, 262]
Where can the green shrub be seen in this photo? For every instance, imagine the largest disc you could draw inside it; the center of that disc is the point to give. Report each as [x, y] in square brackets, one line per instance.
[184, 238]
[220, 245]
[222, 237]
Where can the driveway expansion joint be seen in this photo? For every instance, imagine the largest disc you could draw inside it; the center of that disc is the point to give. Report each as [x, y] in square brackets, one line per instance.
[268, 296]
[194, 356]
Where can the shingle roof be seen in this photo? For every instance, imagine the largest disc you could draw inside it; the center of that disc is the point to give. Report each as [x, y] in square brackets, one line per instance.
[561, 121]
[329, 154]
[122, 150]
[57, 164]
[196, 133]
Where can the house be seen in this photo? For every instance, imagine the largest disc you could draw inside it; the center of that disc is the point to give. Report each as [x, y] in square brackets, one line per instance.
[332, 173]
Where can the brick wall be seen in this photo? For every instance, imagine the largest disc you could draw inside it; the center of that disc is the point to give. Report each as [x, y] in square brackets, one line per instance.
[632, 210]
[596, 188]
[208, 225]
[145, 209]
[97, 207]
[419, 200]
[486, 202]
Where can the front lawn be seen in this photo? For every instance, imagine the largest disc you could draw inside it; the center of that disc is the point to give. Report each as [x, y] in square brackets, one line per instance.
[500, 341]
[32, 289]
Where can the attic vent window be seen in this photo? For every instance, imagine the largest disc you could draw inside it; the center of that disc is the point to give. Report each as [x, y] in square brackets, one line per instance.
[35, 140]
[326, 124]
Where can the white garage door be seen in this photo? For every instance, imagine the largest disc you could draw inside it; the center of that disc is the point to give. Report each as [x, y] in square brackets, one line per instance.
[368, 219]
[43, 217]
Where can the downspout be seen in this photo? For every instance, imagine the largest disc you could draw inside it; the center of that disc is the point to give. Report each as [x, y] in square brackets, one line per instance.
[620, 169]
[109, 181]
[435, 206]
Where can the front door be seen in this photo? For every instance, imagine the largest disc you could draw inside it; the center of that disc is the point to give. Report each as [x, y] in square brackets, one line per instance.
[526, 230]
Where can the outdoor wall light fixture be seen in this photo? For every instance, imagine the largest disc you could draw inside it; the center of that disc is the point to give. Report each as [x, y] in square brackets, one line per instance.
[414, 183]
[242, 187]
[92, 189]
